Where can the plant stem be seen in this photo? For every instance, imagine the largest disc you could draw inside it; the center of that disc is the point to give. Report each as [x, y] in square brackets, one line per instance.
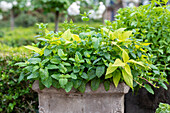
[12, 18]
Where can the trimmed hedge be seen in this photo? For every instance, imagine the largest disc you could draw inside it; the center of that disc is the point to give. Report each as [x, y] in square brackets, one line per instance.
[18, 37]
[15, 97]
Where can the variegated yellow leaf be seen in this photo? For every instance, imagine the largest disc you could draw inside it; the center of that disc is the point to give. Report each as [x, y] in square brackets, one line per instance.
[66, 35]
[114, 43]
[75, 37]
[135, 62]
[110, 70]
[42, 51]
[46, 31]
[109, 76]
[116, 77]
[125, 56]
[55, 40]
[117, 33]
[118, 62]
[127, 78]
[146, 44]
[127, 69]
[125, 35]
[36, 49]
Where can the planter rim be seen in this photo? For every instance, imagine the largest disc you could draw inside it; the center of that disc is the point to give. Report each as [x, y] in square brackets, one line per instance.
[122, 88]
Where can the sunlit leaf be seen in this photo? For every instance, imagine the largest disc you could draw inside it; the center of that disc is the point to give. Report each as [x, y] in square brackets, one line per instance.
[110, 70]
[67, 35]
[125, 56]
[135, 62]
[36, 49]
[127, 78]
[116, 77]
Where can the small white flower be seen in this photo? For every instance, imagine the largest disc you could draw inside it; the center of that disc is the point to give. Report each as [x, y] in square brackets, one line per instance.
[92, 13]
[97, 14]
[28, 3]
[5, 6]
[131, 4]
[74, 9]
[15, 3]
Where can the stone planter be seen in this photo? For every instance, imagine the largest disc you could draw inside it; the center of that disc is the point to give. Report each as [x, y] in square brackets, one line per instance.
[58, 101]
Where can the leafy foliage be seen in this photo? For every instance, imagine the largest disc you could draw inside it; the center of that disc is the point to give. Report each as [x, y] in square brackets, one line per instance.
[163, 108]
[150, 24]
[66, 60]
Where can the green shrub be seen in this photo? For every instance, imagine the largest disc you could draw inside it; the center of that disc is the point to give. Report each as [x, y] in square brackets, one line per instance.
[50, 17]
[163, 108]
[25, 20]
[150, 24]
[15, 97]
[66, 60]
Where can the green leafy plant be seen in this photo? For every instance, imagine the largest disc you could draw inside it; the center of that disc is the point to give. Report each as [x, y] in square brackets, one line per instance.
[66, 60]
[150, 24]
[163, 108]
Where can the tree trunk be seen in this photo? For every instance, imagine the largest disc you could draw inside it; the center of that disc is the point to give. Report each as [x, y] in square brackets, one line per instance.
[56, 20]
[103, 16]
[12, 18]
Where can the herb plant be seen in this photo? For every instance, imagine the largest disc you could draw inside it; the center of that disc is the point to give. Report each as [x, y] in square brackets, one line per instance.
[66, 60]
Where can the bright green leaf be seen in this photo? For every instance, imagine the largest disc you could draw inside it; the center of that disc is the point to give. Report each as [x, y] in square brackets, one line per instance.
[47, 52]
[34, 60]
[116, 77]
[100, 71]
[68, 86]
[48, 82]
[56, 76]
[148, 88]
[127, 78]
[21, 77]
[63, 81]
[110, 69]
[84, 75]
[125, 56]
[55, 60]
[36, 49]
[50, 66]
[135, 62]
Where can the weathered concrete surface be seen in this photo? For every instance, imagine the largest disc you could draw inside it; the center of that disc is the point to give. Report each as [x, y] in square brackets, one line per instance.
[144, 102]
[58, 101]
